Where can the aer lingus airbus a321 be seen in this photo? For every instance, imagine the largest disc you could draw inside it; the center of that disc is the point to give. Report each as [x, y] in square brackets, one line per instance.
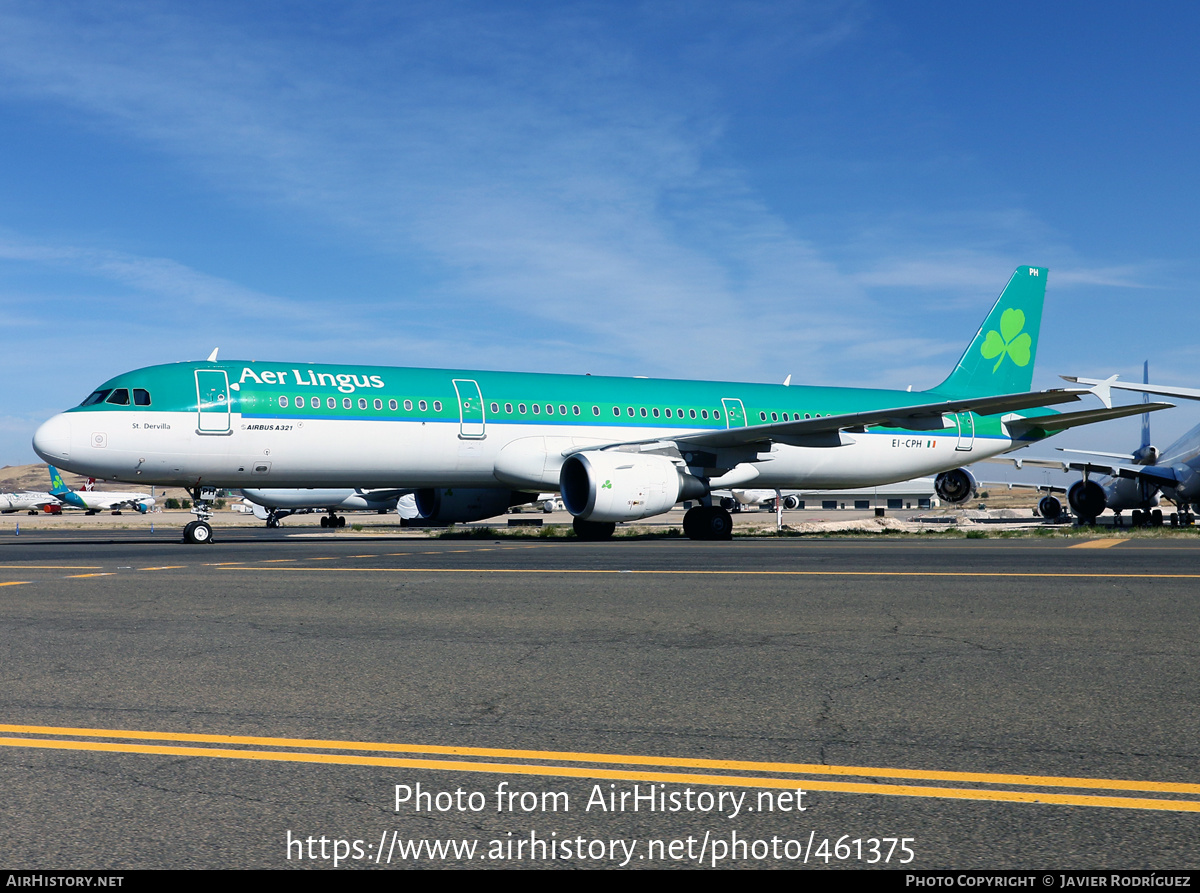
[470, 444]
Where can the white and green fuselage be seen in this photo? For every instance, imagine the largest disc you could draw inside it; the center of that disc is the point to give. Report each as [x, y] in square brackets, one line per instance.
[234, 424]
[618, 448]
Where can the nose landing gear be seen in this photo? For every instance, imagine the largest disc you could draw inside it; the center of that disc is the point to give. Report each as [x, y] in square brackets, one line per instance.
[199, 531]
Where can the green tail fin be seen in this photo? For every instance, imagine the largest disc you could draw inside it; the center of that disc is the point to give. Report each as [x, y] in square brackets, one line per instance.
[1000, 358]
[56, 482]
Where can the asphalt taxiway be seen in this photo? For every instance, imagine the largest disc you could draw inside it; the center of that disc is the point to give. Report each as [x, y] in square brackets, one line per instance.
[997, 703]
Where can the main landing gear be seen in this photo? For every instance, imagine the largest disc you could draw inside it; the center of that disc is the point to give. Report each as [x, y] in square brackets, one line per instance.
[708, 522]
[332, 520]
[199, 531]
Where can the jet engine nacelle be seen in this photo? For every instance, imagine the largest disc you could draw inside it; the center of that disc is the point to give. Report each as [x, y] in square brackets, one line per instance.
[458, 506]
[1049, 508]
[956, 486]
[609, 486]
[1147, 455]
[791, 502]
[1087, 499]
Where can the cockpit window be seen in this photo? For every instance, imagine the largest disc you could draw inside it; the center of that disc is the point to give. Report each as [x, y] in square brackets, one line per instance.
[119, 397]
[141, 397]
[94, 398]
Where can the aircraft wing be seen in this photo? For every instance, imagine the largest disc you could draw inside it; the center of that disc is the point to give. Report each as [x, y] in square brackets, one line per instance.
[1011, 485]
[1052, 424]
[1063, 465]
[1160, 390]
[826, 430]
[1160, 475]
[1126, 456]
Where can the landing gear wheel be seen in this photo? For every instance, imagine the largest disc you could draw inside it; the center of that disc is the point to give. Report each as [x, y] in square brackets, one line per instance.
[341, 520]
[197, 533]
[324, 520]
[708, 523]
[593, 531]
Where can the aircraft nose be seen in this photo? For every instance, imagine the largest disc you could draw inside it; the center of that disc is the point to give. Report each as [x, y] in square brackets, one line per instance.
[53, 439]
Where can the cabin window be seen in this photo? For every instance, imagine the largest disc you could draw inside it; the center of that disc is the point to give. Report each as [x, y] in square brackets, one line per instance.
[94, 398]
[299, 402]
[495, 408]
[704, 413]
[314, 402]
[283, 402]
[616, 410]
[668, 413]
[521, 408]
[347, 403]
[393, 405]
[691, 413]
[595, 410]
[785, 417]
[537, 409]
[806, 415]
[378, 404]
[774, 417]
[655, 412]
[575, 409]
[408, 406]
[141, 397]
[437, 405]
[119, 397]
[716, 413]
[549, 409]
[331, 403]
[679, 412]
[762, 416]
[508, 408]
[562, 409]
[421, 405]
[362, 402]
[631, 412]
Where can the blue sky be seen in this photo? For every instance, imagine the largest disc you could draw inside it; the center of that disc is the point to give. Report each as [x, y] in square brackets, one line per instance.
[741, 190]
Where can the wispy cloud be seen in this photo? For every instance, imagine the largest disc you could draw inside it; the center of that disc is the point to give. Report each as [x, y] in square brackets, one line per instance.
[559, 179]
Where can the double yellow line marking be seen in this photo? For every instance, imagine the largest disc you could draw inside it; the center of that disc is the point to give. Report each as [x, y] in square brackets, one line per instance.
[567, 764]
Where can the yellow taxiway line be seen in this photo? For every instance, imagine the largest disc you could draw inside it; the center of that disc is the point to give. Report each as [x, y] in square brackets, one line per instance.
[556, 769]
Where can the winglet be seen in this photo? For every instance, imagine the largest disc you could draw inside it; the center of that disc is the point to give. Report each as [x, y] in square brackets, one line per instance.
[212, 357]
[1103, 390]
